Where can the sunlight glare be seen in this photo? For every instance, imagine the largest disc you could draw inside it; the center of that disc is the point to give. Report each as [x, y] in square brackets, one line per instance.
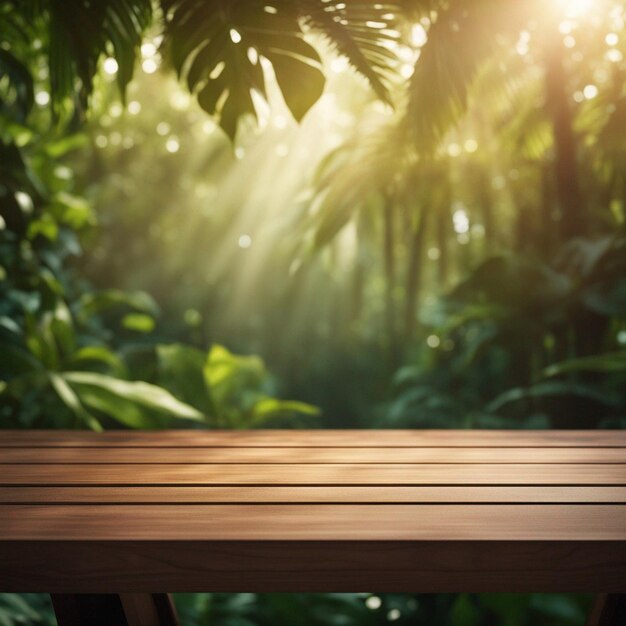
[419, 36]
[460, 221]
[42, 98]
[244, 242]
[149, 66]
[590, 91]
[614, 56]
[471, 145]
[575, 8]
[373, 603]
[148, 49]
[433, 341]
[338, 65]
[172, 145]
[110, 66]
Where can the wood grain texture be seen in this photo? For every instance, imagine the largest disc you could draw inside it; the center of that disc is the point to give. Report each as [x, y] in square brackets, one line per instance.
[302, 494]
[319, 438]
[287, 566]
[317, 474]
[241, 455]
[313, 511]
[314, 522]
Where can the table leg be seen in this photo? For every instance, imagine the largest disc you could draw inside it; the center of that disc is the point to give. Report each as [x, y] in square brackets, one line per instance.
[609, 610]
[126, 609]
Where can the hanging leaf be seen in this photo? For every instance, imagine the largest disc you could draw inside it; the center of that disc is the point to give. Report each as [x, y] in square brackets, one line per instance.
[217, 47]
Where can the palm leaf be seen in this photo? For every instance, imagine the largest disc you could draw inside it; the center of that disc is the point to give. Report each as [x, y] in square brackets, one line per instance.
[80, 32]
[460, 41]
[217, 47]
[363, 32]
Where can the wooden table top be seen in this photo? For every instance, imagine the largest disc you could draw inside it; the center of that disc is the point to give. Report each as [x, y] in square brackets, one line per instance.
[313, 510]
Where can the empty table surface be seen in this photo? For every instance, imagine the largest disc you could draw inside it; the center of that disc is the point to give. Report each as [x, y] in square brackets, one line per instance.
[313, 511]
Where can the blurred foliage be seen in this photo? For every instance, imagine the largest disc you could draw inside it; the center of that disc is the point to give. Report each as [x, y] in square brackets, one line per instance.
[32, 609]
[377, 609]
[414, 213]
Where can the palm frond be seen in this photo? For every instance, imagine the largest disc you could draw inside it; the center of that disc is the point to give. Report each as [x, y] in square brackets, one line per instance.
[80, 32]
[364, 32]
[352, 178]
[16, 90]
[460, 40]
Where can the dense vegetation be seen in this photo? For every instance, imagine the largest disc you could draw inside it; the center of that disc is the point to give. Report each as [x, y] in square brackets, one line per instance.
[411, 213]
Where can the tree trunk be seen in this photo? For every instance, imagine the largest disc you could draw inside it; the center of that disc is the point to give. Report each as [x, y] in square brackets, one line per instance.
[390, 269]
[414, 274]
[442, 233]
[568, 189]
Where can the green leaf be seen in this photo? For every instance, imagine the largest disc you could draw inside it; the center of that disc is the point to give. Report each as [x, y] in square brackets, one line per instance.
[117, 407]
[348, 28]
[139, 393]
[39, 338]
[45, 226]
[464, 612]
[299, 78]
[181, 371]
[228, 375]
[99, 354]
[20, 80]
[552, 389]
[460, 41]
[96, 303]
[610, 362]
[71, 400]
[217, 47]
[139, 322]
[269, 408]
[16, 361]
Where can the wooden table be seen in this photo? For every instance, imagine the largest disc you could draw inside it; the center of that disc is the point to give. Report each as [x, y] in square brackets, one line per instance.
[418, 511]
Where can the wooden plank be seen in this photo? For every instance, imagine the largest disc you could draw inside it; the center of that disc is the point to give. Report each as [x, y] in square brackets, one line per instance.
[323, 438]
[288, 566]
[315, 522]
[239, 455]
[303, 494]
[327, 474]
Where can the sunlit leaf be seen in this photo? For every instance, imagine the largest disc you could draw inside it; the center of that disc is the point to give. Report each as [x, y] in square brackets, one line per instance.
[139, 322]
[140, 393]
[71, 400]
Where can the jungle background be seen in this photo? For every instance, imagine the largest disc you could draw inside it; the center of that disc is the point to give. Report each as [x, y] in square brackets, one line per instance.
[246, 214]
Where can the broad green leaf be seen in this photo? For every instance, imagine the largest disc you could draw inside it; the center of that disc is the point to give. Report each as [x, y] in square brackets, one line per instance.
[71, 400]
[138, 392]
[268, 408]
[181, 371]
[40, 340]
[217, 48]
